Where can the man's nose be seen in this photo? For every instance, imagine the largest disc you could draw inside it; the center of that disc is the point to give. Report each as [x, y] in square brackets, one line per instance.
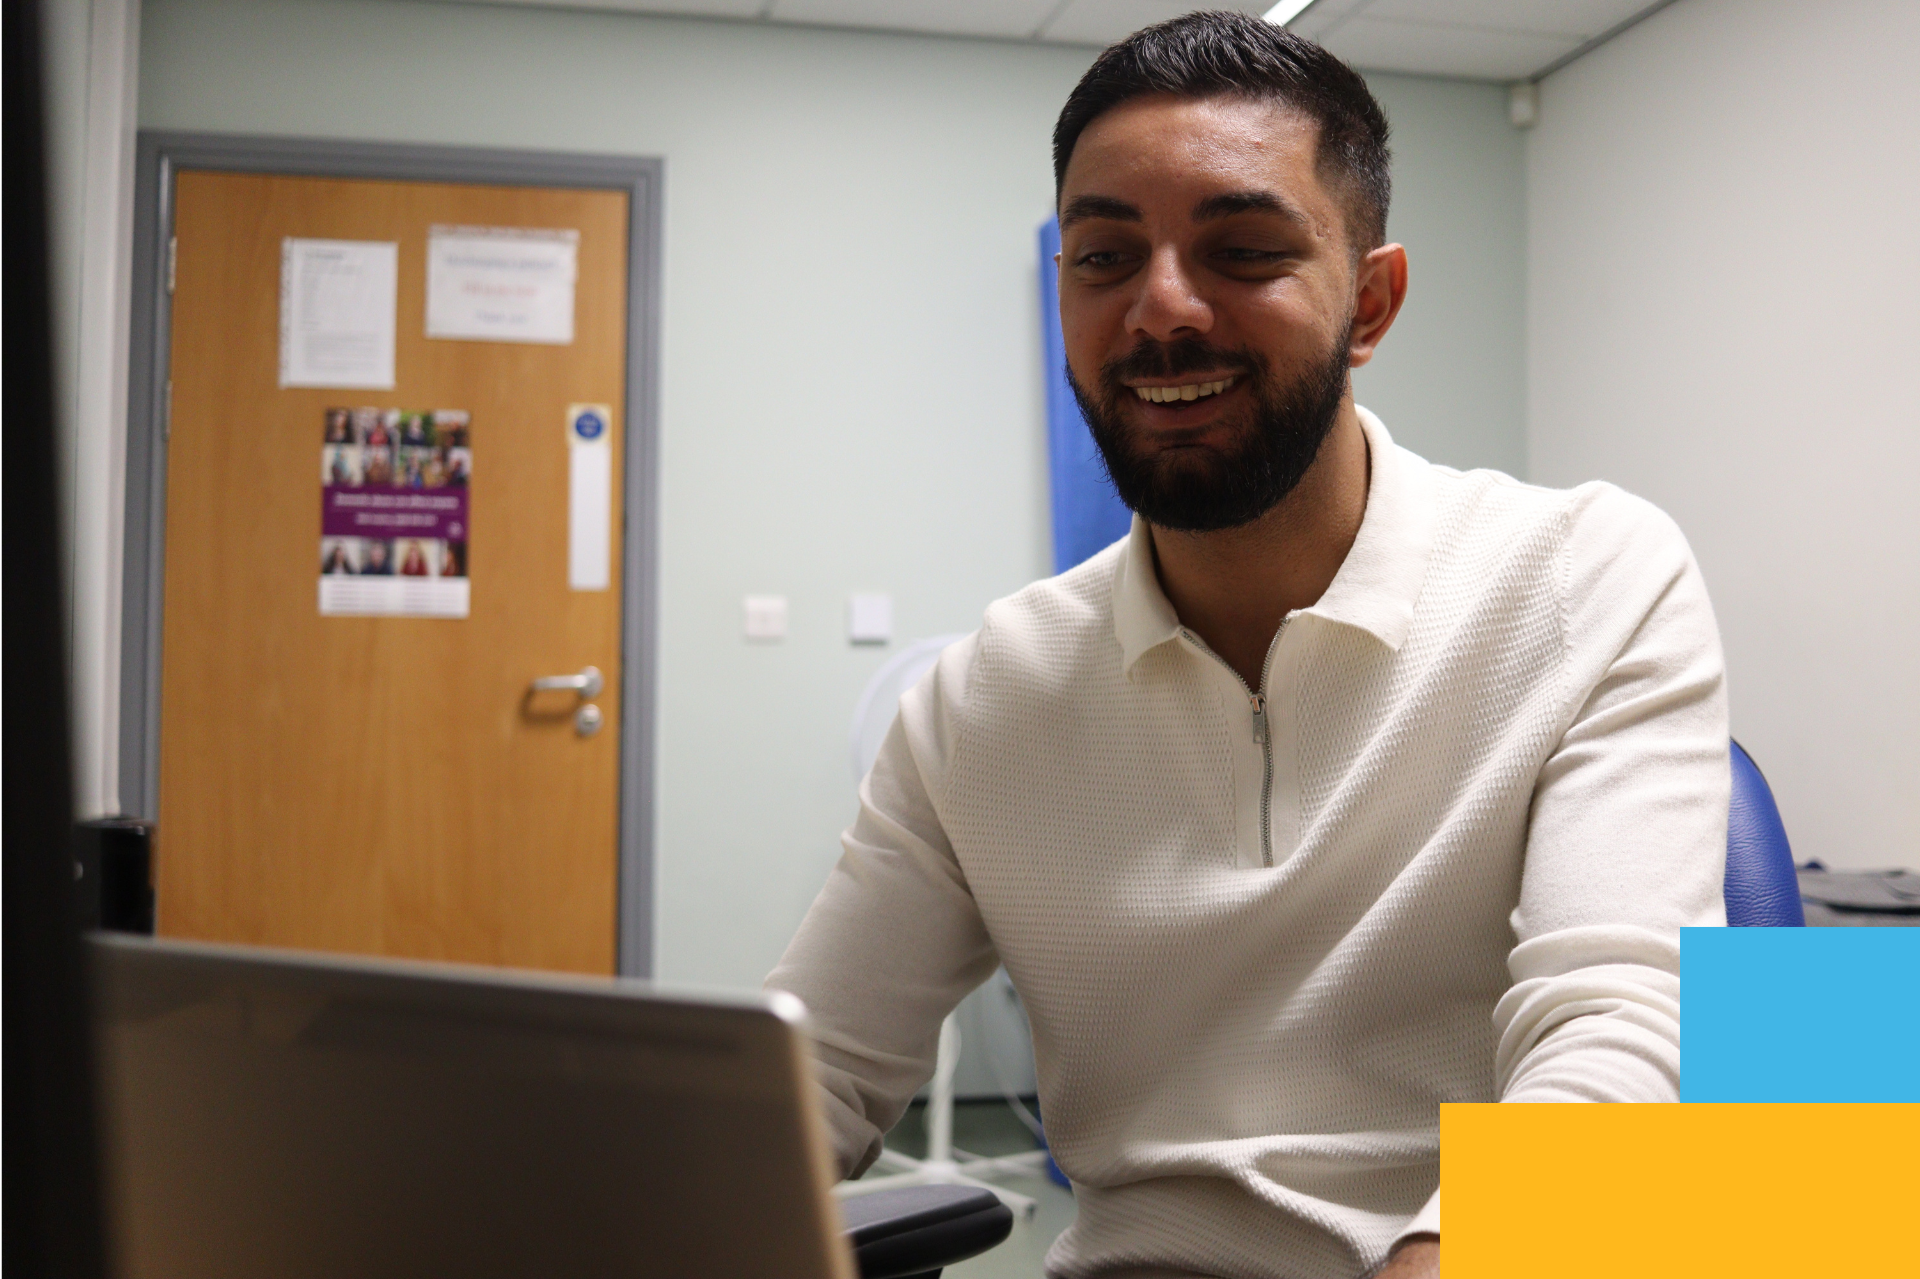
[1168, 305]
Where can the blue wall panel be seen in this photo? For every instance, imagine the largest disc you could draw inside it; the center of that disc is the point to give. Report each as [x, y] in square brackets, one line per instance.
[1087, 515]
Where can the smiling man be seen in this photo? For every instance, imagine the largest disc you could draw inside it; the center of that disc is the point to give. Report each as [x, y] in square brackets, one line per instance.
[1346, 785]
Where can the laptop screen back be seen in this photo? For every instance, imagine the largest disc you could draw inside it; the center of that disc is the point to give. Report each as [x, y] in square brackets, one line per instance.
[291, 1116]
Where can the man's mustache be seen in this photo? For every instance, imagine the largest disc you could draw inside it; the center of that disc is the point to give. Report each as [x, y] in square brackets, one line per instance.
[1171, 359]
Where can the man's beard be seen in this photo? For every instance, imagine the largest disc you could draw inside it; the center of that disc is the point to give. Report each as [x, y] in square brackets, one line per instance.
[1200, 489]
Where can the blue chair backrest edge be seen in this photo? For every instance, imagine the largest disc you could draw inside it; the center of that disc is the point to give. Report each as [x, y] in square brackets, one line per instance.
[1762, 889]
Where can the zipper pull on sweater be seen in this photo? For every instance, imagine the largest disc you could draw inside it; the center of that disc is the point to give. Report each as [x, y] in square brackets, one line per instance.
[1259, 719]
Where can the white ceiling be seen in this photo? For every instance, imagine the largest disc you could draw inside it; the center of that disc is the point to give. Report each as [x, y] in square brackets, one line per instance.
[1476, 39]
[1480, 39]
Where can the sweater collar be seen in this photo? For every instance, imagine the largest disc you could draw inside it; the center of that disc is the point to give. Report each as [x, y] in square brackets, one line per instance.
[1374, 591]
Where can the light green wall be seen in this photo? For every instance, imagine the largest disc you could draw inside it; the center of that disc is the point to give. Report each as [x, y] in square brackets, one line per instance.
[1450, 381]
[1723, 321]
[851, 388]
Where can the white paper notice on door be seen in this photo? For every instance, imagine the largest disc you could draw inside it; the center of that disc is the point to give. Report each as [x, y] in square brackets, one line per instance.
[501, 284]
[590, 497]
[338, 300]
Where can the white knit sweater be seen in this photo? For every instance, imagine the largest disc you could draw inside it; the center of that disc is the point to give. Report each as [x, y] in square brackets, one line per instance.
[1490, 788]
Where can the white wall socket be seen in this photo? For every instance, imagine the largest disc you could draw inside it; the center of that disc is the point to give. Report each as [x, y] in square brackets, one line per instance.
[766, 617]
[870, 619]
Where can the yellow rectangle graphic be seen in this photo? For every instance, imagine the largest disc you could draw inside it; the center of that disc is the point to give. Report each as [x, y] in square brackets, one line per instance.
[1684, 1190]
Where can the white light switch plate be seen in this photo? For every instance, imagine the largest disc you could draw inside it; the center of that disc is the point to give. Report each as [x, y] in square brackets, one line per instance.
[766, 617]
[870, 619]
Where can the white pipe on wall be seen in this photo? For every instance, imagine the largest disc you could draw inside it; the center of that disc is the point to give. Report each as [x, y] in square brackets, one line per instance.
[99, 427]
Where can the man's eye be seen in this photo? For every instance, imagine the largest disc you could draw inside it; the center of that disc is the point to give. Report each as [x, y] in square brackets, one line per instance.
[1100, 259]
[1254, 257]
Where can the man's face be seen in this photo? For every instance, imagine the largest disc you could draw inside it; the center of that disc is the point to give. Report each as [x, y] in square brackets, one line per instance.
[1207, 298]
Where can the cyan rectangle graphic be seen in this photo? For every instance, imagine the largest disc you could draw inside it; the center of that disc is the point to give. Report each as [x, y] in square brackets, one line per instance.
[1800, 1014]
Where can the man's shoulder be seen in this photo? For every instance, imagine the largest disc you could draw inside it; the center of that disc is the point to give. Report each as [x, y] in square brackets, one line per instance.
[1587, 561]
[1054, 625]
[1593, 520]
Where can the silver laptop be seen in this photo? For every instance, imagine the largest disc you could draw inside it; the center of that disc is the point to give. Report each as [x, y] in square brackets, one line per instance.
[290, 1116]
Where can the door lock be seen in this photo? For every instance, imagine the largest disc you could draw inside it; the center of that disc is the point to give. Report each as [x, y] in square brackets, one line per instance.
[589, 684]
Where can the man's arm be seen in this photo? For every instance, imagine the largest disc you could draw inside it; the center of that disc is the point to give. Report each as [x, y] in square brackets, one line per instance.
[894, 940]
[1627, 839]
[1416, 1257]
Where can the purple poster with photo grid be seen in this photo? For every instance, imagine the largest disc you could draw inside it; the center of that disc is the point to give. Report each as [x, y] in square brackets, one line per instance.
[394, 516]
[394, 512]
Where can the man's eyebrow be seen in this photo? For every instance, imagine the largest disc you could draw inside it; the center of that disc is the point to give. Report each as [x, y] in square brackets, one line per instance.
[1083, 207]
[1223, 206]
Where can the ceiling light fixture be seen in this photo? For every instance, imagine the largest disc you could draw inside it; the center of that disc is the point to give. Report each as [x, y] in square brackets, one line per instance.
[1287, 10]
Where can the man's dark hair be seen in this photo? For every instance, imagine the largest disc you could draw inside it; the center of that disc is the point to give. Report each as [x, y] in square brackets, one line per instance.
[1220, 54]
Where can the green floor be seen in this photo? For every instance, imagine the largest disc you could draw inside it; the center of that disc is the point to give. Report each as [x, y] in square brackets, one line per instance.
[991, 1128]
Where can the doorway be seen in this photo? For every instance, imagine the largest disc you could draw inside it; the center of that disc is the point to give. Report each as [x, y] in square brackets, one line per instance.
[340, 731]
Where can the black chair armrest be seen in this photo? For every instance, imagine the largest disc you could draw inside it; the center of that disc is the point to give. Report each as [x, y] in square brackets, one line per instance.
[917, 1230]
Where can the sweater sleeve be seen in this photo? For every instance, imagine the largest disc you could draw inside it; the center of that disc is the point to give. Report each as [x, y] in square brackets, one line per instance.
[894, 940]
[1628, 831]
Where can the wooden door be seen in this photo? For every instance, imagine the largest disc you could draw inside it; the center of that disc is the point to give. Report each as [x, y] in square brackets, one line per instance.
[384, 785]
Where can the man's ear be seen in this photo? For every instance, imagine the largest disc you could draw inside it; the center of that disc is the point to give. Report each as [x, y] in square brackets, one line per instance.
[1380, 286]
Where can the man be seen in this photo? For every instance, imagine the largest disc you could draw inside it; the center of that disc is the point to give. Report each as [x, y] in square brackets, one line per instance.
[1346, 785]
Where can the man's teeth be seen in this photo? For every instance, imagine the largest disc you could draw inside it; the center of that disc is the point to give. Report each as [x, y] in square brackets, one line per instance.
[1191, 391]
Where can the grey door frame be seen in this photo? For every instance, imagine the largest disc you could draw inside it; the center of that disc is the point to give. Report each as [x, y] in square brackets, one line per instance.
[161, 157]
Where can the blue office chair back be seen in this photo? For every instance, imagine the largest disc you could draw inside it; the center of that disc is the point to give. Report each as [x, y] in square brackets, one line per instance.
[1762, 889]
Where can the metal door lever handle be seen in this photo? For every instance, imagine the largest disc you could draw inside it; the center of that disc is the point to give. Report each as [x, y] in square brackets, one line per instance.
[587, 683]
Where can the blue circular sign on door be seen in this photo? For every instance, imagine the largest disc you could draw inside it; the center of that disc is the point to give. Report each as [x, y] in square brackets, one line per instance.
[590, 425]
